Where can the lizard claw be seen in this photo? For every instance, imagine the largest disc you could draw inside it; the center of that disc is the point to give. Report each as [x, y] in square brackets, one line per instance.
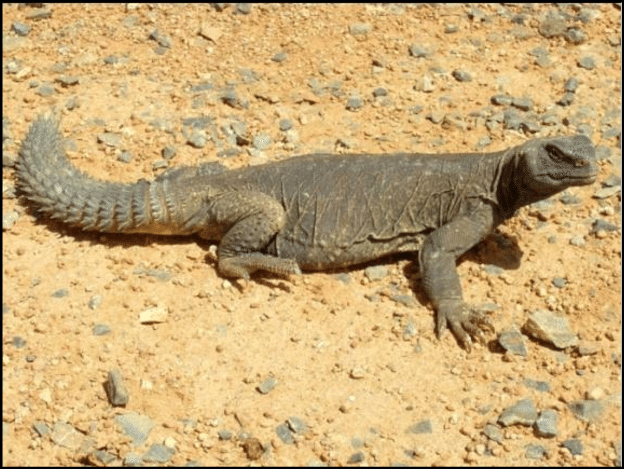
[465, 326]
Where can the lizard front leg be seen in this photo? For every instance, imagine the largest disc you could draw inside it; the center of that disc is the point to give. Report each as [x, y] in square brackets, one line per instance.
[438, 258]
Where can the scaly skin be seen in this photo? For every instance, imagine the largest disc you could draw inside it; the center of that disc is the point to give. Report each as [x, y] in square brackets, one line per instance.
[319, 212]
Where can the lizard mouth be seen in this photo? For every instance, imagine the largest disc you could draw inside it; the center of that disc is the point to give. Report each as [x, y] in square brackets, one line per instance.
[586, 177]
[583, 178]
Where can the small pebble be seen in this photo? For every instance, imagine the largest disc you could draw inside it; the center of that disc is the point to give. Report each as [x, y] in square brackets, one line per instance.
[267, 385]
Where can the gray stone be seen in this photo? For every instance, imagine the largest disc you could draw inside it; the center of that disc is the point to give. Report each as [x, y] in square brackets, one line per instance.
[513, 341]
[262, 141]
[559, 282]
[354, 103]
[462, 76]
[493, 432]
[574, 446]
[158, 453]
[116, 390]
[522, 412]
[603, 225]
[356, 458]
[587, 410]
[418, 51]
[535, 452]
[41, 428]
[109, 139]
[375, 272]
[297, 425]
[285, 434]
[21, 29]
[588, 63]
[424, 426]
[67, 436]
[267, 385]
[136, 426]
[607, 192]
[546, 424]
[360, 28]
[551, 329]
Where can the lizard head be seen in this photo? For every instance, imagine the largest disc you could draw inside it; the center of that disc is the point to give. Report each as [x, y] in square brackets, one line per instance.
[550, 165]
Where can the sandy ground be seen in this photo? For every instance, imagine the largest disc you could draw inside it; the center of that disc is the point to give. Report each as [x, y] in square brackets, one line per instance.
[353, 354]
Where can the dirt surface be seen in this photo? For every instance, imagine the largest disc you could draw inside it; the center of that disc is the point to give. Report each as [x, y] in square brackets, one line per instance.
[353, 354]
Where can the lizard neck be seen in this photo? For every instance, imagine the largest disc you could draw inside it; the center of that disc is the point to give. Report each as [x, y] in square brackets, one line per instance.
[510, 192]
[513, 190]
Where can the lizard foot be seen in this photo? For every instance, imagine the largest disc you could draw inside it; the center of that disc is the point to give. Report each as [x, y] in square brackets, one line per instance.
[464, 325]
[244, 265]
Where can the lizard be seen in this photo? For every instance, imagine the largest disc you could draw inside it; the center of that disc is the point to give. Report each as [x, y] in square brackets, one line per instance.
[321, 211]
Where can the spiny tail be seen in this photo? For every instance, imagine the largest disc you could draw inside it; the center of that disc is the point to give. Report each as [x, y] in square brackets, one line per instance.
[61, 191]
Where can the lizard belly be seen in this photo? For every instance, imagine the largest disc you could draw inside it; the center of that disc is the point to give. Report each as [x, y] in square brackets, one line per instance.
[324, 257]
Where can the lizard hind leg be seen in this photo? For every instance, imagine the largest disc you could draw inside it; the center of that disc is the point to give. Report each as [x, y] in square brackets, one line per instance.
[250, 220]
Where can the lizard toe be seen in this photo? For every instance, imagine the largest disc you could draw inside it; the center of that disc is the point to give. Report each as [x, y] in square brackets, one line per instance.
[454, 317]
[463, 337]
[466, 326]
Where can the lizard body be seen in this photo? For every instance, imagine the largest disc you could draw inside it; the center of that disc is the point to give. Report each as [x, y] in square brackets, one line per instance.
[319, 212]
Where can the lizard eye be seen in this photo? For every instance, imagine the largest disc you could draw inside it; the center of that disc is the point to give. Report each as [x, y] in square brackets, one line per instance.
[556, 154]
